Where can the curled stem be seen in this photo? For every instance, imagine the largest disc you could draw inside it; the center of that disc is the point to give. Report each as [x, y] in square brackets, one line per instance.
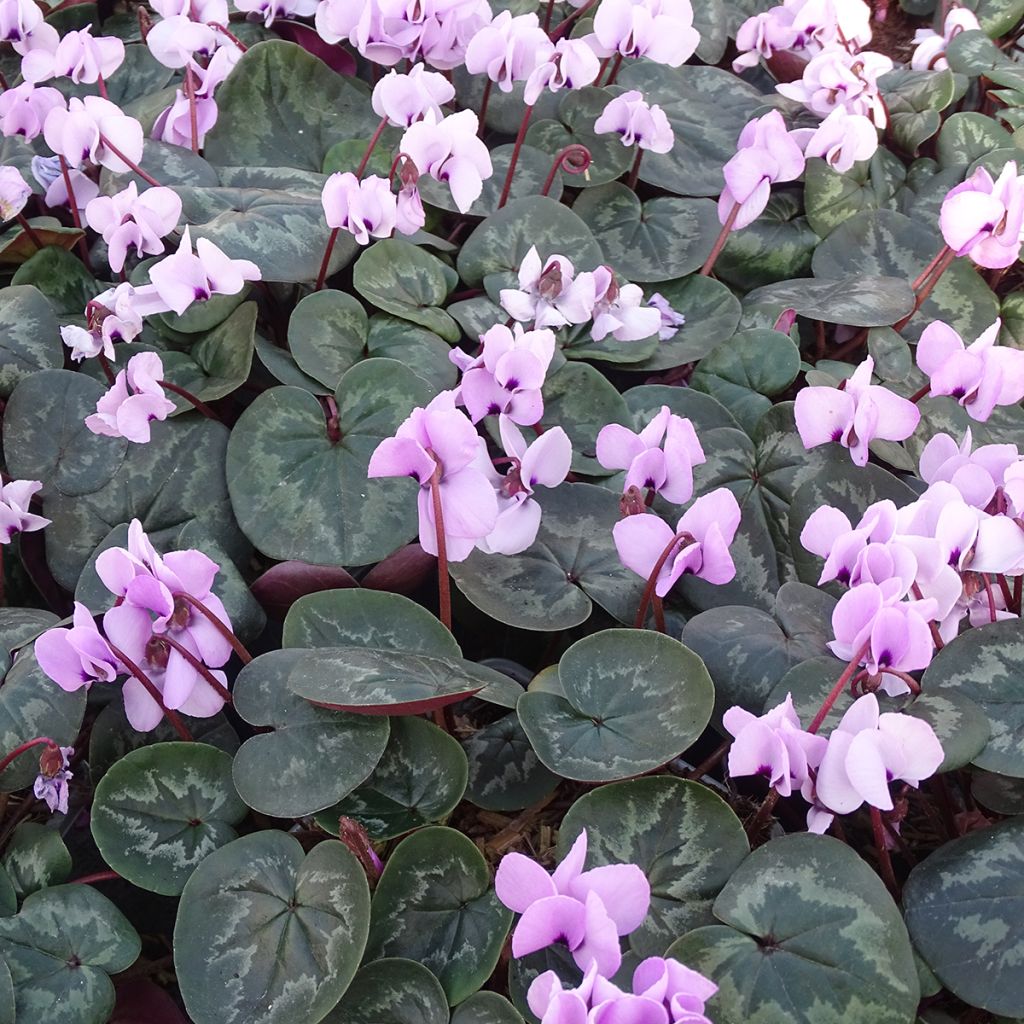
[574, 159]
[652, 581]
[221, 627]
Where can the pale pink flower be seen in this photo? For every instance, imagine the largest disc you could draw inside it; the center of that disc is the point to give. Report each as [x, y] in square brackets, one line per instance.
[79, 55]
[406, 99]
[930, 53]
[23, 109]
[984, 219]
[637, 122]
[508, 50]
[81, 132]
[128, 220]
[837, 78]
[364, 207]
[134, 400]
[660, 30]
[572, 65]
[841, 140]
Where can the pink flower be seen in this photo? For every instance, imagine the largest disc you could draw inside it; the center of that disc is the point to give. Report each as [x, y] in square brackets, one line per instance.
[671, 319]
[637, 123]
[51, 784]
[112, 316]
[268, 10]
[174, 124]
[130, 220]
[984, 219]
[543, 463]
[14, 192]
[206, 11]
[976, 475]
[866, 751]
[572, 65]
[23, 109]
[837, 78]
[134, 400]
[588, 910]
[765, 153]
[18, 19]
[79, 56]
[508, 50]
[979, 376]
[406, 99]
[508, 374]
[441, 440]
[841, 139]
[175, 41]
[930, 53]
[647, 465]
[363, 208]
[15, 498]
[77, 656]
[617, 310]
[774, 745]
[660, 30]
[81, 132]
[449, 150]
[83, 188]
[186, 277]
[545, 294]
[698, 545]
[409, 213]
[854, 414]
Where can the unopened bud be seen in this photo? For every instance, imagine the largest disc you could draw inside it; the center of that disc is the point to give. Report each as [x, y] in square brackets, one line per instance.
[51, 762]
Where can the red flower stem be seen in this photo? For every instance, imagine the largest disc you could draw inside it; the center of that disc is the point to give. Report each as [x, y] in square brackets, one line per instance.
[1018, 585]
[107, 371]
[634, 173]
[443, 584]
[574, 159]
[547, 15]
[837, 690]
[659, 614]
[936, 636]
[723, 237]
[3, 582]
[652, 580]
[322, 276]
[102, 86]
[884, 861]
[763, 813]
[172, 716]
[484, 103]
[510, 174]
[615, 69]
[29, 230]
[132, 165]
[189, 397]
[238, 42]
[83, 249]
[991, 597]
[928, 270]
[193, 116]
[237, 645]
[920, 393]
[710, 761]
[28, 745]
[1004, 589]
[915, 686]
[98, 876]
[219, 688]
[926, 288]
[371, 146]
[564, 25]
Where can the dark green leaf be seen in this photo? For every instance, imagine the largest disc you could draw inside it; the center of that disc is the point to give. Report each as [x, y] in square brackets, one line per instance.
[326, 334]
[36, 858]
[393, 990]
[29, 336]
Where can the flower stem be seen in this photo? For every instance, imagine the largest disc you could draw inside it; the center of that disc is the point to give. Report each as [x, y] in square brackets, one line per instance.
[565, 24]
[98, 876]
[27, 745]
[723, 237]
[652, 580]
[527, 114]
[29, 230]
[710, 761]
[105, 365]
[102, 87]
[83, 249]
[221, 627]
[923, 290]
[928, 270]
[172, 716]
[443, 583]
[764, 812]
[484, 103]
[131, 164]
[634, 173]
[921, 393]
[193, 116]
[915, 686]
[574, 159]
[991, 597]
[238, 42]
[189, 397]
[884, 861]
[614, 73]
[371, 146]
[837, 690]
[659, 614]
[222, 691]
[322, 276]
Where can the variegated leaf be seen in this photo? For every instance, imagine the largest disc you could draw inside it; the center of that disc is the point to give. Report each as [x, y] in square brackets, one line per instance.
[486, 1008]
[394, 990]
[36, 857]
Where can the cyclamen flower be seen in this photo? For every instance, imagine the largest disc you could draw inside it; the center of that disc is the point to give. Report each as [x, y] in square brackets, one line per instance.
[205, 11]
[984, 219]
[545, 294]
[866, 751]
[18, 19]
[406, 99]
[409, 213]
[439, 441]
[186, 277]
[82, 131]
[979, 376]
[112, 316]
[134, 400]
[508, 50]
[23, 109]
[774, 745]
[363, 208]
[130, 220]
[837, 78]
[617, 309]
[15, 517]
[671, 319]
[588, 910]
[79, 55]
[174, 124]
[854, 414]
[637, 122]
[930, 52]
[77, 656]
[660, 30]
[83, 189]
[51, 784]
[507, 376]
[269, 10]
[699, 545]
[765, 153]
[841, 140]
[176, 40]
[14, 192]
[647, 465]
[975, 474]
[572, 65]
[449, 150]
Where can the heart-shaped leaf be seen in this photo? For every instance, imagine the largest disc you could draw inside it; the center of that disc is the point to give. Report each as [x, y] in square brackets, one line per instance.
[35, 858]
[394, 990]
[29, 338]
[831, 197]
[486, 1008]
[423, 351]
[326, 334]
[857, 300]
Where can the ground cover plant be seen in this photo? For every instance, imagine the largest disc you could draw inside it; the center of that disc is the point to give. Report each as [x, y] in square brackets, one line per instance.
[512, 511]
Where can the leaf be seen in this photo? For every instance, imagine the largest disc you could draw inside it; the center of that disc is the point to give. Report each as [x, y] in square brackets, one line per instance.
[284, 583]
[421, 350]
[703, 411]
[653, 241]
[282, 107]
[269, 935]
[914, 99]
[830, 198]
[61, 277]
[394, 990]
[967, 137]
[420, 778]
[29, 336]
[35, 858]
[18, 626]
[633, 701]
[964, 910]
[45, 437]
[775, 247]
[573, 562]
[684, 838]
[162, 809]
[856, 300]
[299, 495]
[61, 950]
[312, 758]
[486, 1008]
[997, 17]
[326, 334]
[404, 279]
[809, 933]
[435, 904]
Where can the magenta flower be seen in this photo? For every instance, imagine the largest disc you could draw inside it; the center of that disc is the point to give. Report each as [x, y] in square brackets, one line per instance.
[546, 294]
[660, 30]
[406, 99]
[440, 442]
[637, 122]
[14, 192]
[23, 109]
[667, 470]
[77, 656]
[79, 55]
[363, 208]
[15, 498]
[765, 153]
[979, 376]
[572, 65]
[838, 78]
[508, 50]
[587, 910]
[671, 319]
[866, 751]
[128, 220]
[51, 784]
[543, 463]
[840, 140]
[984, 219]
[134, 400]
[854, 414]
[449, 150]
[699, 545]
[78, 133]
[508, 374]
[774, 745]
